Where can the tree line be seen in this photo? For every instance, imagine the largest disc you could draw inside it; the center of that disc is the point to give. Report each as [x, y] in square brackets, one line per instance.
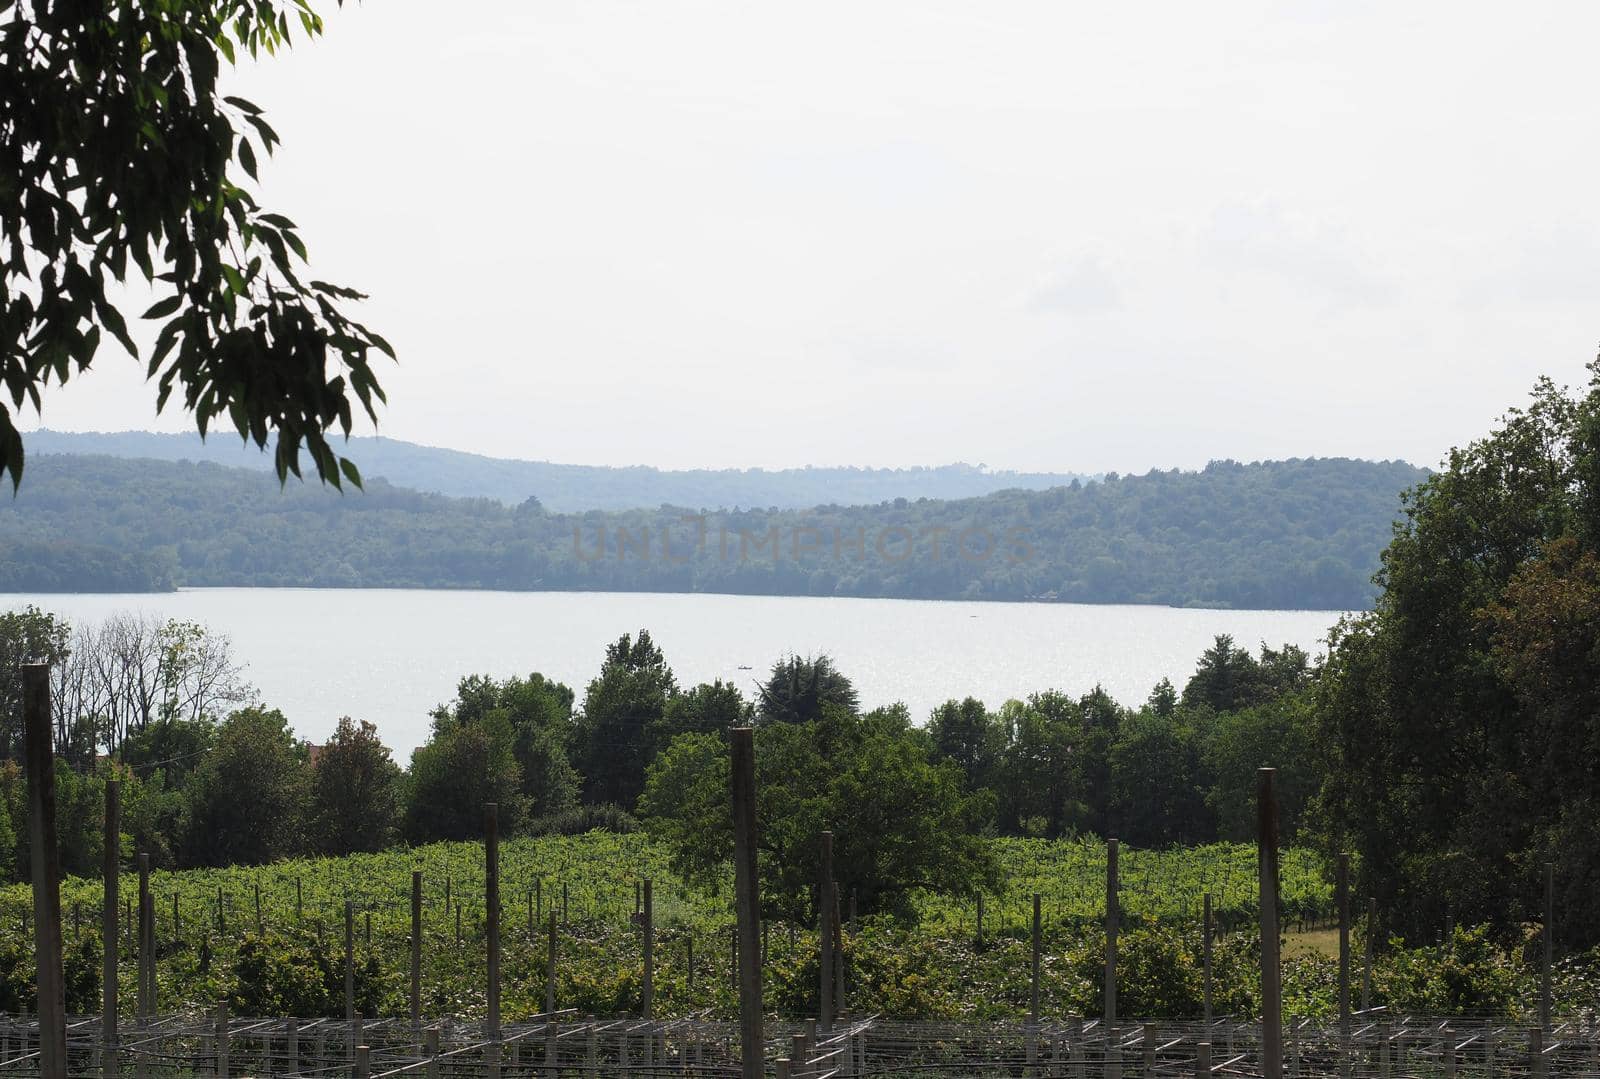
[578, 488]
[211, 776]
[1281, 534]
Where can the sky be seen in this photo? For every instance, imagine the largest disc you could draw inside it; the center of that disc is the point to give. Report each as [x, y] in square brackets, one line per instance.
[1040, 236]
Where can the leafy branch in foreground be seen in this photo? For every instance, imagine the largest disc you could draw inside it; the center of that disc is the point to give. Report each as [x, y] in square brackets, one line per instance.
[116, 146]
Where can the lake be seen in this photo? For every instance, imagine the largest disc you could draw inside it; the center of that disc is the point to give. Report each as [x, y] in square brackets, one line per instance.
[390, 656]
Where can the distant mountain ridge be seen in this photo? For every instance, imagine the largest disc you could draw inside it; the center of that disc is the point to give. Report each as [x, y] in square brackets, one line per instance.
[1277, 534]
[575, 488]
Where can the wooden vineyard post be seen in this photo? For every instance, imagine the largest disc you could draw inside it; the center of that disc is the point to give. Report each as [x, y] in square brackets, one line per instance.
[1205, 958]
[825, 937]
[747, 901]
[550, 966]
[1033, 994]
[1113, 922]
[647, 991]
[259, 925]
[416, 954]
[299, 906]
[350, 971]
[1548, 953]
[1341, 894]
[146, 938]
[1366, 972]
[1032, 1047]
[45, 859]
[491, 913]
[1271, 974]
[550, 993]
[111, 872]
[222, 1065]
[978, 933]
[839, 1007]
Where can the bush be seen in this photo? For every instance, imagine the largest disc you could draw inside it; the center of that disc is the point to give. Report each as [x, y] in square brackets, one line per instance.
[582, 819]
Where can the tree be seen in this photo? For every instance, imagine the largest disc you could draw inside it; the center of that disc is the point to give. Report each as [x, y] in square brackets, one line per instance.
[900, 822]
[247, 799]
[621, 727]
[355, 792]
[26, 636]
[970, 736]
[462, 767]
[1461, 755]
[709, 708]
[801, 687]
[117, 147]
[1156, 794]
[538, 713]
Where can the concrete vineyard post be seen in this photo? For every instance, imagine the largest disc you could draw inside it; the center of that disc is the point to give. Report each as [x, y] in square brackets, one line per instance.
[746, 899]
[1205, 957]
[45, 861]
[111, 871]
[1271, 974]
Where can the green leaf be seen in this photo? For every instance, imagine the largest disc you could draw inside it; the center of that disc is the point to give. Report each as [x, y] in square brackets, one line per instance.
[247, 157]
[164, 307]
[351, 472]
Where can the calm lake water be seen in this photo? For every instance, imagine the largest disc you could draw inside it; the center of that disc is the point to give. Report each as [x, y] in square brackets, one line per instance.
[390, 656]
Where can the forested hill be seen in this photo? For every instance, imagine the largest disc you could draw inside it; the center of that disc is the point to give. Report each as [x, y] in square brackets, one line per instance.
[1300, 533]
[575, 488]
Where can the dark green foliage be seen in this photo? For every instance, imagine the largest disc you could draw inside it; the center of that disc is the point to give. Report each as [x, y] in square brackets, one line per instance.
[801, 688]
[580, 820]
[1460, 715]
[26, 636]
[355, 793]
[1262, 535]
[900, 821]
[463, 766]
[538, 713]
[709, 708]
[247, 798]
[296, 973]
[623, 722]
[118, 147]
[971, 737]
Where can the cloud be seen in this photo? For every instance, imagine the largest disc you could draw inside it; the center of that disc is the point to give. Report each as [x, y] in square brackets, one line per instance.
[1083, 285]
[1297, 251]
[1556, 266]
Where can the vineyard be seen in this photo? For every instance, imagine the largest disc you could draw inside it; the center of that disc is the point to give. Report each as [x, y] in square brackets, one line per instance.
[272, 939]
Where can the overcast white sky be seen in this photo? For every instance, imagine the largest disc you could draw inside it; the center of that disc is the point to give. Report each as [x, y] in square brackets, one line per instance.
[1041, 236]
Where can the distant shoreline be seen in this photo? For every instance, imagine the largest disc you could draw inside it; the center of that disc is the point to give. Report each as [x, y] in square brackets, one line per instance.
[1026, 602]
